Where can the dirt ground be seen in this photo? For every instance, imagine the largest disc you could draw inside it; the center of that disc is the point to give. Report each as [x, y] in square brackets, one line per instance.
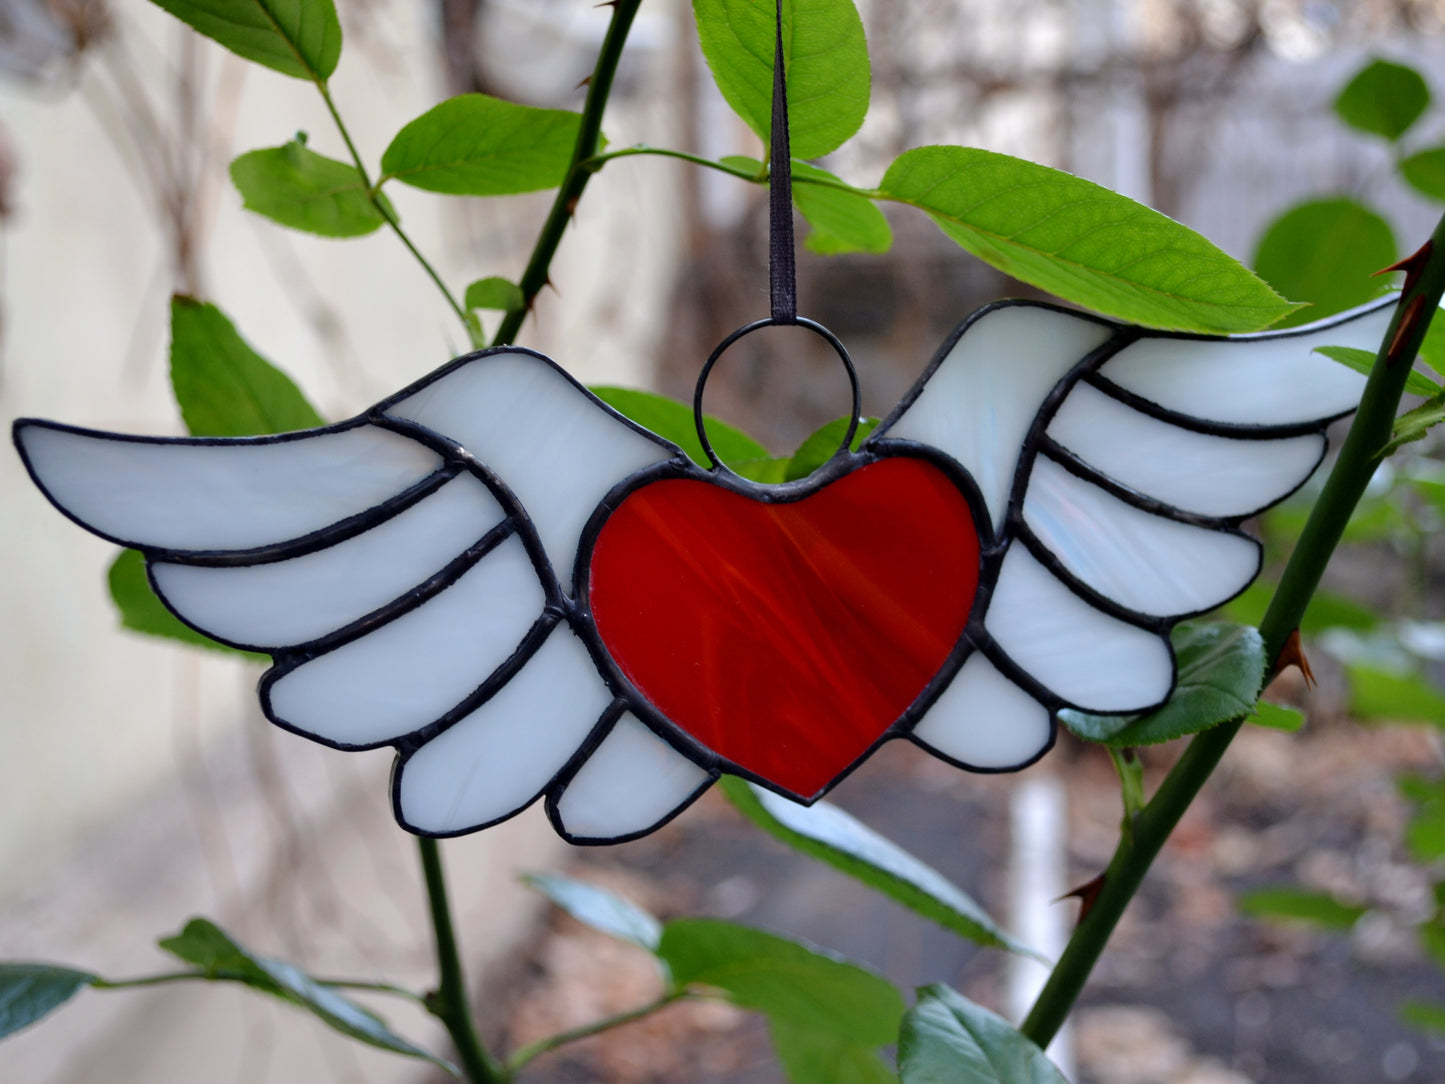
[1189, 992]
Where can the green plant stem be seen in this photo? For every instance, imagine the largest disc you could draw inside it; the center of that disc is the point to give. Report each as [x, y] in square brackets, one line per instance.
[1358, 458]
[236, 976]
[384, 209]
[449, 1002]
[589, 139]
[607, 1023]
[596, 162]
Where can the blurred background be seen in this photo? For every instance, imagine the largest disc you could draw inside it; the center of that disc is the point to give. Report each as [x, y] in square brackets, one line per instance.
[139, 784]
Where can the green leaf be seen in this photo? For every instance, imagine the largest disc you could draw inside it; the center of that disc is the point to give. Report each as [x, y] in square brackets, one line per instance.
[1221, 671]
[825, 832]
[806, 988]
[825, 57]
[300, 38]
[1419, 789]
[1363, 361]
[1300, 905]
[1378, 694]
[1432, 938]
[947, 1039]
[1432, 350]
[822, 444]
[1325, 252]
[1425, 172]
[30, 991]
[1414, 424]
[477, 145]
[1425, 1015]
[1431, 488]
[1331, 611]
[203, 944]
[299, 188]
[810, 1057]
[206, 946]
[1249, 606]
[142, 611]
[1383, 99]
[770, 472]
[224, 388]
[495, 292]
[1374, 519]
[673, 421]
[1082, 242]
[842, 221]
[1276, 717]
[599, 908]
[1425, 836]
[341, 1013]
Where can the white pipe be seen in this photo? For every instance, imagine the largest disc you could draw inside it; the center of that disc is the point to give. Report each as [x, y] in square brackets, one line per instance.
[1038, 814]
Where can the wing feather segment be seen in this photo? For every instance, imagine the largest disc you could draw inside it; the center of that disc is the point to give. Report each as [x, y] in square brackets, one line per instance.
[541, 434]
[1272, 380]
[408, 570]
[1116, 465]
[203, 494]
[979, 400]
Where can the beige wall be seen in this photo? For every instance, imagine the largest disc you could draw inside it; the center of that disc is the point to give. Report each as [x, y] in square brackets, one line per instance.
[139, 783]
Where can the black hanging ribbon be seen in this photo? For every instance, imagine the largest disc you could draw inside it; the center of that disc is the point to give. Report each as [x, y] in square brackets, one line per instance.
[782, 269]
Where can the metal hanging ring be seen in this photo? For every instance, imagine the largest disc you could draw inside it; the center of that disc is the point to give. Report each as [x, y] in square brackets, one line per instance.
[748, 329]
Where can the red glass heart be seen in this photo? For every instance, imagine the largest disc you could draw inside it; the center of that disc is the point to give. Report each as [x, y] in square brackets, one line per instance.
[787, 637]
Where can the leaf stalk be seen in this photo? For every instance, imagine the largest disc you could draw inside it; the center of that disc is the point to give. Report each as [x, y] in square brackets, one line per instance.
[586, 1031]
[383, 208]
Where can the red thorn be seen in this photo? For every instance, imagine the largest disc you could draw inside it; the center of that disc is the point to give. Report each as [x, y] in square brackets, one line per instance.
[1413, 265]
[586, 82]
[1087, 893]
[1293, 655]
[1413, 311]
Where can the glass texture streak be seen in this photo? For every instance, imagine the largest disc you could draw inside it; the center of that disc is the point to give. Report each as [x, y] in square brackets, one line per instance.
[1151, 564]
[787, 637]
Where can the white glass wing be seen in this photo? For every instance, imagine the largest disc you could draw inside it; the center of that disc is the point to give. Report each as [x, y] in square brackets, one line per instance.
[981, 400]
[1266, 380]
[416, 668]
[984, 720]
[498, 759]
[1210, 476]
[630, 783]
[1088, 658]
[291, 602]
[554, 446]
[1149, 564]
[188, 495]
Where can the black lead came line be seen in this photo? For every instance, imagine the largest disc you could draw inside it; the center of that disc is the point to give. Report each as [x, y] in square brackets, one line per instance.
[782, 266]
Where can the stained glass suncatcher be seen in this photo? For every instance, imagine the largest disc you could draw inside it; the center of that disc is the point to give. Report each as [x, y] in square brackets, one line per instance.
[528, 595]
